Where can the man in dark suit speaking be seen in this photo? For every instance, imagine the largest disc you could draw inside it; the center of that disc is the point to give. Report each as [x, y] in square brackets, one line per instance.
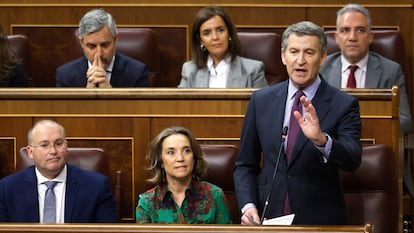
[323, 136]
[102, 66]
[76, 196]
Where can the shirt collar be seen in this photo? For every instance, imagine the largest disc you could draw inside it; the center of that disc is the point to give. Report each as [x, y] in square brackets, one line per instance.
[309, 91]
[165, 191]
[61, 178]
[110, 67]
[362, 64]
[221, 68]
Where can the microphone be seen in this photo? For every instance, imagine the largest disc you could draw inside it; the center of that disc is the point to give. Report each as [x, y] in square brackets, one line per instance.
[266, 204]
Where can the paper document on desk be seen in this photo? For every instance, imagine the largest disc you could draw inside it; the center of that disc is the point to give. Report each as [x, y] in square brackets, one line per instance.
[283, 220]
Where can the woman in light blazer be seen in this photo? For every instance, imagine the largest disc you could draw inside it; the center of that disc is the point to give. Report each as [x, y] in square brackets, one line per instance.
[215, 61]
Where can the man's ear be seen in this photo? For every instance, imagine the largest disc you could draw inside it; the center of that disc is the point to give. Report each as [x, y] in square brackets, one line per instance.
[29, 150]
[282, 55]
[323, 57]
[372, 36]
[81, 41]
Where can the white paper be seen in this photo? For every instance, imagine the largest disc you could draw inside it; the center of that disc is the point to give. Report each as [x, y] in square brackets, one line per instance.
[283, 220]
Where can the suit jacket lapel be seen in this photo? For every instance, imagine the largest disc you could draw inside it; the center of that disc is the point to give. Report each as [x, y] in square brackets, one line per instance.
[71, 194]
[335, 80]
[201, 78]
[117, 72]
[235, 76]
[322, 102]
[277, 105]
[374, 72]
[31, 208]
[81, 73]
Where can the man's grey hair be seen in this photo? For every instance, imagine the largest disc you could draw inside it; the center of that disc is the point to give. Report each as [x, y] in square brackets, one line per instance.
[352, 7]
[94, 21]
[305, 28]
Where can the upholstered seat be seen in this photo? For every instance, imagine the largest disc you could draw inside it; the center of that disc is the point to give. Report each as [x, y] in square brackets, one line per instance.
[138, 43]
[220, 160]
[91, 159]
[371, 192]
[265, 47]
[20, 44]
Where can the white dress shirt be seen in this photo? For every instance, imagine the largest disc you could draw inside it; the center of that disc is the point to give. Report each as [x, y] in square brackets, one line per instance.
[60, 191]
[218, 75]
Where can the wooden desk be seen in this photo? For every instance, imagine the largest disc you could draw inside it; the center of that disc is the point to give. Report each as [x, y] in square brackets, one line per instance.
[132, 228]
[123, 121]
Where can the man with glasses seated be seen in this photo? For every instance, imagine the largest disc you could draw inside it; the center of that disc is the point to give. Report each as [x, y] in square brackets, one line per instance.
[53, 191]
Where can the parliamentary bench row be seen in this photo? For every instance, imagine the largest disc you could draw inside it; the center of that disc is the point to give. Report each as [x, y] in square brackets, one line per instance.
[371, 191]
[142, 44]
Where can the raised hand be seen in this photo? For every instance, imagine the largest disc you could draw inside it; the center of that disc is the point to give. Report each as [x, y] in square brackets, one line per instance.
[310, 123]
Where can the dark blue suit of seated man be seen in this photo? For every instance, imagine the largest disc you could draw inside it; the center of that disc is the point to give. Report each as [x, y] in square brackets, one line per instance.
[102, 66]
[78, 196]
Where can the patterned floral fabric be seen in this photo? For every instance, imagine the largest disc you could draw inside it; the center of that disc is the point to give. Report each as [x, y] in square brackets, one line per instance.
[204, 203]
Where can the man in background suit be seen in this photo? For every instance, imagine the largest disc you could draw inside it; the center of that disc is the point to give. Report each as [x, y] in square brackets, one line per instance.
[102, 66]
[307, 183]
[81, 196]
[354, 36]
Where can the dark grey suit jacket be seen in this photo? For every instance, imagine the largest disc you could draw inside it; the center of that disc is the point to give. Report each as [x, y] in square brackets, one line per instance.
[244, 73]
[381, 73]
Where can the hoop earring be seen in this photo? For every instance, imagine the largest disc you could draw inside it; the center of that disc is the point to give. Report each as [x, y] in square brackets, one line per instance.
[203, 48]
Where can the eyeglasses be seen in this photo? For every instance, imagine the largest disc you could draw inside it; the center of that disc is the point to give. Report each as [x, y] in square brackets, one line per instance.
[46, 146]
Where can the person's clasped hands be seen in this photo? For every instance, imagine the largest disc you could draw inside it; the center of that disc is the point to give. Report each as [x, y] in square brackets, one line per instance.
[96, 75]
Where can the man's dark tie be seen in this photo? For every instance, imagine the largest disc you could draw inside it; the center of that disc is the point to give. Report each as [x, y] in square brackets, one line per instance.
[292, 135]
[49, 210]
[293, 125]
[351, 78]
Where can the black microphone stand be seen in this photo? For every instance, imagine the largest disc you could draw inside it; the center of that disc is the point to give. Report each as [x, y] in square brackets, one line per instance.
[266, 204]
